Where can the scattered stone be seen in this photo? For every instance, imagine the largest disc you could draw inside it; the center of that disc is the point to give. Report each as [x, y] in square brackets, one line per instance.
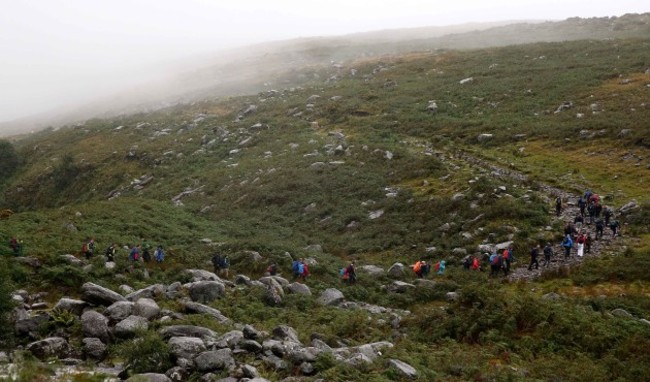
[403, 368]
[94, 348]
[206, 291]
[621, 313]
[396, 270]
[484, 137]
[147, 308]
[299, 288]
[373, 270]
[119, 310]
[49, 347]
[186, 347]
[195, 307]
[129, 326]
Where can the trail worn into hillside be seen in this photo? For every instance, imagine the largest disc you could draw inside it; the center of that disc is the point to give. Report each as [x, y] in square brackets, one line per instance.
[570, 210]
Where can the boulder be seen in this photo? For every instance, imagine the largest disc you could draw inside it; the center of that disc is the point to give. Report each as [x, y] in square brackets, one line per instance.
[331, 296]
[230, 339]
[152, 291]
[119, 310]
[73, 306]
[400, 287]
[195, 307]
[285, 333]
[188, 331]
[98, 295]
[49, 347]
[273, 295]
[373, 270]
[30, 326]
[484, 137]
[129, 326]
[251, 346]
[621, 313]
[251, 333]
[186, 347]
[71, 259]
[94, 324]
[299, 288]
[147, 308]
[215, 360]
[452, 296]
[94, 348]
[403, 368]
[268, 280]
[396, 270]
[149, 377]
[206, 291]
[28, 260]
[202, 275]
[249, 371]
[632, 205]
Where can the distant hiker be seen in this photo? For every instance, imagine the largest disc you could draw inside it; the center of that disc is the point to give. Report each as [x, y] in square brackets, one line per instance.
[272, 270]
[295, 268]
[607, 213]
[426, 268]
[534, 253]
[591, 209]
[580, 241]
[110, 252]
[507, 257]
[88, 248]
[567, 244]
[588, 243]
[351, 273]
[476, 264]
[593, 199]
[146, 252]
[224, 266]
[418, 268]
[216, 262]
[587, 196]
[16, 246]
[615, 226]
[496, 263]
[558, 205]
[440, 267]
[570, 229]
[303, 270]
[467, 262]
[159, 254]
[578, 219]
[134, 255]
[599, 229]
[582, 203]
[548, 253]
[598, 209]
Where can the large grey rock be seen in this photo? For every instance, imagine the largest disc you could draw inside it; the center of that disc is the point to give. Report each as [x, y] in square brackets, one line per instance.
[632, 205]
[202, 275]
[94, 324]
[268, 280]
[373, 270]
[400, 287]
[129, 326]
[71, 259]
[299, 288]
[274, 362]
[331, 296]
[188, 331]
[73, 306]
[195, 307]
[206, 291]
[285, 333]
[149, 377]
[274, 293]
[215, 360]
[300, 355]
[147, 308]
[251, 346]
[403, 368]
[49, 348]
[249, 371]
[186, 347]
[230, 339]
[501, 246]
[119, 310]
[251, 333]
[621, 313]
[94, 348]
[396, 270]
[152, 291]
[28, 325]
[98, 295]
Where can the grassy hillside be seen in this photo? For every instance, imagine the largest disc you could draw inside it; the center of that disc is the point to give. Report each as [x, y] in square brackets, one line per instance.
[355, 162]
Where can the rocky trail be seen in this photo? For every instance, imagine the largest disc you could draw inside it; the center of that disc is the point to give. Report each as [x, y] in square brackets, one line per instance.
[570, 210]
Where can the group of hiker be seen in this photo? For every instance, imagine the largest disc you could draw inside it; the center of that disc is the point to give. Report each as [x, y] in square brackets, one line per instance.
[137, 252]
[422, 268]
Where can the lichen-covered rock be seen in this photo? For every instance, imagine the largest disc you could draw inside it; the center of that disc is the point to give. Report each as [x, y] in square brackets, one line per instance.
[129, 326]
[98, 295]
[186, 347]
[215, 360]
[147, 308]
[331, 296]
[94, 324]
[206, 291]
[49, 348]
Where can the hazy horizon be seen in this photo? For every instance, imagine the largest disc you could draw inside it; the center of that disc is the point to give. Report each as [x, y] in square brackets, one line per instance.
[60, 54]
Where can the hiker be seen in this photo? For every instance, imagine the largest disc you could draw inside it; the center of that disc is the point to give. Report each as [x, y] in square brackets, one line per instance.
[303, 269]
[558, 206]
[581, 244]
[417, 268]
[578, 219]
[134, 255]
[426, 268]
[467, 262]
[476, 264]
[592, 212]
[351, 273]
[599, 229]
[567, 243]
[440, 267]
[507, 258]
[216, 262]
[110, 252]
[588, 240]
[570, 229]
[534, 253]
[88, 249]
[146, 252]
[548, 252]
[614, 225]
[16, 246]
[607, 213]
[598, 209]
[582, 203]
[159, 254]
[587, 197]
[272, 270]
[496, 262]
[295, 267]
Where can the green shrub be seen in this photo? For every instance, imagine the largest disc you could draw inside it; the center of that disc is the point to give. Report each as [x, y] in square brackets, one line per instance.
[147, 353]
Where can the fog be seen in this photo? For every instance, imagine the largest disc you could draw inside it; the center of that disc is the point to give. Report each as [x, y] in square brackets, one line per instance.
[58, 55]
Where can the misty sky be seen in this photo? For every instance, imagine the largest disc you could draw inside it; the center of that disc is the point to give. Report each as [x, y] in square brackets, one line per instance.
[55, 53]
